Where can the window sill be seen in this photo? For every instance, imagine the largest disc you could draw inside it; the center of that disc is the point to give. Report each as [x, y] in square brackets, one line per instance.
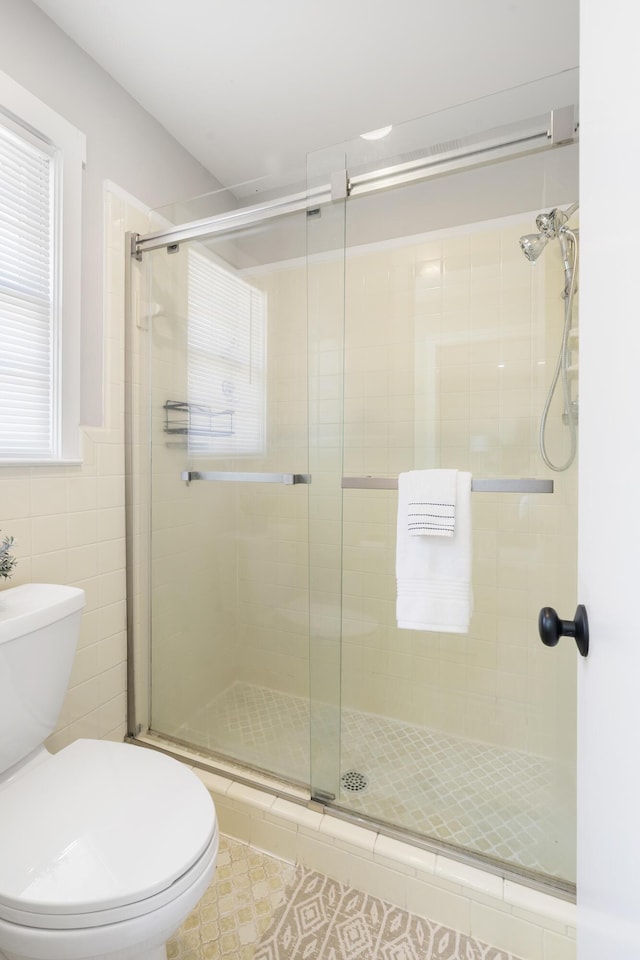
[41, 463]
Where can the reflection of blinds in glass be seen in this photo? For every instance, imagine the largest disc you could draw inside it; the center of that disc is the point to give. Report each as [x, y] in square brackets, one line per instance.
[27, 315]
[226, 345]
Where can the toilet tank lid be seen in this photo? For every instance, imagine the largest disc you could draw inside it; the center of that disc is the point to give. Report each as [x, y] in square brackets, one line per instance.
[34, 605]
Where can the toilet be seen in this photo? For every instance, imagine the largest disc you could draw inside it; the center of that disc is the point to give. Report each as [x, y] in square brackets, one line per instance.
[105, 848]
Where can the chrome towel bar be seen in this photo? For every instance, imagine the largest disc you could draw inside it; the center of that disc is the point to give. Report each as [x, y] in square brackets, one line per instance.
[478, 484]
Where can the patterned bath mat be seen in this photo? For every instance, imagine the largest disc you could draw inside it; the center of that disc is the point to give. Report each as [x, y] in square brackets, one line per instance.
[326, 920]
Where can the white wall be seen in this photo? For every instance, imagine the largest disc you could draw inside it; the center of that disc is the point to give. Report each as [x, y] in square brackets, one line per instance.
[609, 721]
[124, 144]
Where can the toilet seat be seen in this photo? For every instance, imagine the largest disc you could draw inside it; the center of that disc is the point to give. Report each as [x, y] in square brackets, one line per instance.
[129, 911]
[84, 840]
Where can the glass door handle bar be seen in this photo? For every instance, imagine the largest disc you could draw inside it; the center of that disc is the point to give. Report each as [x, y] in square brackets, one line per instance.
[230, 477]
[478, 484]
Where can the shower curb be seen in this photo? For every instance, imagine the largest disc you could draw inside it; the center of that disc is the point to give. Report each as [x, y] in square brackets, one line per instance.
[510, 916]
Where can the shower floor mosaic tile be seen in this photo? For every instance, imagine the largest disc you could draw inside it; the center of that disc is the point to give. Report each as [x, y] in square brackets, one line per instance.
[503, 803]
[260, 908]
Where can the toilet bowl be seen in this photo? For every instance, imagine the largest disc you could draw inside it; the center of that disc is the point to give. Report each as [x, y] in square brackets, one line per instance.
[105, 848]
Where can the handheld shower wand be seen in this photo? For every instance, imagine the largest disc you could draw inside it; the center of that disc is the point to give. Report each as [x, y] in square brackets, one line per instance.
[553, 225]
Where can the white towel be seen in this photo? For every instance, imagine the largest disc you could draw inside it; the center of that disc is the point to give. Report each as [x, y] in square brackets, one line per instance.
[434, 574]
[431, 503]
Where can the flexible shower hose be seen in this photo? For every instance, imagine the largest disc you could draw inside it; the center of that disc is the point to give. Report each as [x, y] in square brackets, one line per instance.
[562, 373]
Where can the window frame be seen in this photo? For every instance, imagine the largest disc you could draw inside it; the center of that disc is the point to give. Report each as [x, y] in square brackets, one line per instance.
[27, 116]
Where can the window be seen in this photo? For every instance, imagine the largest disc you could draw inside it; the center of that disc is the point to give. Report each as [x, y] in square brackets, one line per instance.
[226, 366]
[41, 158]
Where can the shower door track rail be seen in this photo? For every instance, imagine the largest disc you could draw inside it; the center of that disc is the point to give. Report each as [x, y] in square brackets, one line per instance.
[557, 129]
[478, 484]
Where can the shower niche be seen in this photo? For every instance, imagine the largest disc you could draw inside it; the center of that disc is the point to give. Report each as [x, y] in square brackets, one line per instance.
[320, 341]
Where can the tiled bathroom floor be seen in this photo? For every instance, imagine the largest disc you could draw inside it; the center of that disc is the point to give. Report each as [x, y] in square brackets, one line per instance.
[237, 908]
[260, 908]
[504, 803]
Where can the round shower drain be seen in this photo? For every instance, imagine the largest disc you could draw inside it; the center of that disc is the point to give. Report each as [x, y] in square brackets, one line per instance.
[354, 782]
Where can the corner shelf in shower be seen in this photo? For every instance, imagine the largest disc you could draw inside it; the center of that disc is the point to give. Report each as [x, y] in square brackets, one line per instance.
[196, 420]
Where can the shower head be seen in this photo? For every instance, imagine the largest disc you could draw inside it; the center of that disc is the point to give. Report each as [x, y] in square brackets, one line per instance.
[532, 245]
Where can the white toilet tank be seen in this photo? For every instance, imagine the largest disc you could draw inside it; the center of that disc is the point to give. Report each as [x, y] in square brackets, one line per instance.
[39, 628]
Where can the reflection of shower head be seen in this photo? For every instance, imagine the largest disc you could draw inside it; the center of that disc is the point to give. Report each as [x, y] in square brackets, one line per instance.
[532, 245]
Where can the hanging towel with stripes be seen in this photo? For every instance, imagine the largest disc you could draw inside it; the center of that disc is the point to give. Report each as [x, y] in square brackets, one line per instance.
[431, 503]
[434, 571]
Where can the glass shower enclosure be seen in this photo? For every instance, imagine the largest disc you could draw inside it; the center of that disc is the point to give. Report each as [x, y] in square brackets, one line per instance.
[296, 354]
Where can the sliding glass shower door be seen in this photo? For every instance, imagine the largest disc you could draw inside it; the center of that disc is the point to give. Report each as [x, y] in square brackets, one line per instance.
[382, 320]
[451, 337]
[230, 498]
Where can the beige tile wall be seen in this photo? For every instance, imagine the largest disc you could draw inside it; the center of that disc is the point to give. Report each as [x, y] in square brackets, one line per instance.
[229, 562]
[449, 346]
[499, 683]
[273, 563]
[69, 526]
[192, 544]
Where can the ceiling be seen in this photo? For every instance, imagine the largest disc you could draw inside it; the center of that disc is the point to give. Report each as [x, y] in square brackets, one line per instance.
[249, 87]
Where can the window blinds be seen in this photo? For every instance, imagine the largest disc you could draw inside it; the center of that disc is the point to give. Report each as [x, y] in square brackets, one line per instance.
[26, 299]
[226, 374]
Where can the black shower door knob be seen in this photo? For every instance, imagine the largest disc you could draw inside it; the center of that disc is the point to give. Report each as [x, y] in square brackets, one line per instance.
[551, 628]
